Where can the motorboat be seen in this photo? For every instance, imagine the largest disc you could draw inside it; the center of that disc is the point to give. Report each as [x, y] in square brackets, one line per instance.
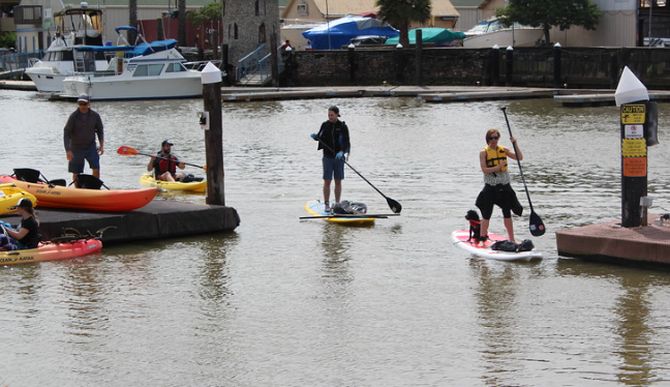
[154, 70]
[75, 27]
[492, 32]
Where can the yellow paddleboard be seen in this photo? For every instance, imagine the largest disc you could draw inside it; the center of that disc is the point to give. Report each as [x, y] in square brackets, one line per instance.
[316, 208]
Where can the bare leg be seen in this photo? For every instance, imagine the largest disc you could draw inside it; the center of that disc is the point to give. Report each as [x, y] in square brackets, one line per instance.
[96, 173]
[74, 179]
[338, 190]
[167, 176]
[510, 228]
[484, 230]
[326, 191]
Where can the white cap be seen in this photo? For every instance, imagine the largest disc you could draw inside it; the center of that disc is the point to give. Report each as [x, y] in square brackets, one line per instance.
[630, 89]
[83, 98]
[210, 74]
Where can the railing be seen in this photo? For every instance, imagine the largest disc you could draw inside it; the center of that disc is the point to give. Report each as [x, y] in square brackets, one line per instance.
[249, 64]
[15, 63]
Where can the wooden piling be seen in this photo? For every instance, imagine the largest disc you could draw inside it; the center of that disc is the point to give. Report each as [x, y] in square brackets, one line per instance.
[211, 93]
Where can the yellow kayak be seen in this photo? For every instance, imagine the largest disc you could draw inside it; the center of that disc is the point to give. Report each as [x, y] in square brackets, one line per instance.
[193, 187]
[10, 195]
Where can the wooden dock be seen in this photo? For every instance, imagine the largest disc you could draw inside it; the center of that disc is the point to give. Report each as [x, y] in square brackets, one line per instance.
[611, 242]
[18, 85]
[603, 99]
[160, 219]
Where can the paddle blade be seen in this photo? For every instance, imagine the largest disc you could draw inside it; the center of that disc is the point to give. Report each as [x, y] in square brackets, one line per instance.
[127, 150]
[394, 205]
[536, 225]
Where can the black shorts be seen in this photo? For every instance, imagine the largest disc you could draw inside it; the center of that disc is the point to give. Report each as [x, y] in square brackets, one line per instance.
[501, 195]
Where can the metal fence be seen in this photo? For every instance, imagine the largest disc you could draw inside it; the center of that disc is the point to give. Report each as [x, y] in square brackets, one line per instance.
[13, 64]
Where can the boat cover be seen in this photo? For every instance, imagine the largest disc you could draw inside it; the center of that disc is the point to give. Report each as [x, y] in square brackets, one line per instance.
[339, 32]
[433, 35]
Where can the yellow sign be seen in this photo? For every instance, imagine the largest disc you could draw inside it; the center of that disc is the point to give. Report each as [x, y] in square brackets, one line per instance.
[632, 114]
[634, 147]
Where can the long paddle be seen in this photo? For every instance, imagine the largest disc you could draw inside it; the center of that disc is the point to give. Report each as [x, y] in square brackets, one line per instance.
[394, 205]
[348, 216]
[536, 225]
[130, 151]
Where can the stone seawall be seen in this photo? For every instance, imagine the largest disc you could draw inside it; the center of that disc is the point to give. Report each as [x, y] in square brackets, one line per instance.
[574, 67]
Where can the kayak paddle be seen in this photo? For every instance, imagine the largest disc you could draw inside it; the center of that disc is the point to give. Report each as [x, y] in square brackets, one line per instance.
[536, 225]
[130, 151]
[394, 205]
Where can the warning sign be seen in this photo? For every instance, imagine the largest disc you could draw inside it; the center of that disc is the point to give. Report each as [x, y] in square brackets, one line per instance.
[633, 147]
[635, 167]
[634, 131]
[633, 114]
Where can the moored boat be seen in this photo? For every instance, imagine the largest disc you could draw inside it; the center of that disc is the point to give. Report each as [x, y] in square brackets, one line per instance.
[10, 194]
[115, 200]
[51, 252]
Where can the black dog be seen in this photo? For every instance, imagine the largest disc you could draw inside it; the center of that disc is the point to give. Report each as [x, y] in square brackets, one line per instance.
[475, 227]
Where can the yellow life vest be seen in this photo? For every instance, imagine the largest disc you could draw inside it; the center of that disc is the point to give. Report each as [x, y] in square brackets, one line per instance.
[493, 157]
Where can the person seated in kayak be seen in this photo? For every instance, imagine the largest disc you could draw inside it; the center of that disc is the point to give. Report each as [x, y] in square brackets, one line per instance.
[27, 236]
[165, 164]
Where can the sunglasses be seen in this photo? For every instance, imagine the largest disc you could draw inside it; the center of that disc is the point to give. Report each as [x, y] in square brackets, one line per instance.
[82, 103]
[494, 138]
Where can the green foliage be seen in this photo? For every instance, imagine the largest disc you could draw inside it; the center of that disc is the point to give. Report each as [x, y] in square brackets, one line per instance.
[549, 13]
[400, 13]
[209, 12]
[7, 39]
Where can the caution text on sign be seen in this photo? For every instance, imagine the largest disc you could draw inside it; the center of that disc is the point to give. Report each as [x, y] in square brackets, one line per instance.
[633, 114]
[633, 147]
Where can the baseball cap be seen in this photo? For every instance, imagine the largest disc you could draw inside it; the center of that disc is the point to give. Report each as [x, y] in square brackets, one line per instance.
[23, 203]
[83, 98]
[166, 142]
[335, 110]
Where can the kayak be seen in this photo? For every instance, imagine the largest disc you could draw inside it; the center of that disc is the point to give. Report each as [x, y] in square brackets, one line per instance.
[316, 208]
[194, 186]
[54, 196]
[460, 239]
[51, 252]
[10, 195]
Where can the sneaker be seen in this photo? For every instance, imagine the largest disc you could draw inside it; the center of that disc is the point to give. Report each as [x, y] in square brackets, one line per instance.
[326, 207]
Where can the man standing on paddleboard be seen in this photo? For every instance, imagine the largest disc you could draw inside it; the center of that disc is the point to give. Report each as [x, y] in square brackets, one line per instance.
[79, 139]
[333, 138]
[497, 189]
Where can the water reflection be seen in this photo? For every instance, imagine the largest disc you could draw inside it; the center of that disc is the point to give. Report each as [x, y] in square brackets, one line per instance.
[336, 256]
[215, 273]
[631, 314]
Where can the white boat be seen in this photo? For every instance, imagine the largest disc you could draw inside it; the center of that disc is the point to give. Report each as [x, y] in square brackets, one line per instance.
[154, 74]
[492, 32]
[76, 27]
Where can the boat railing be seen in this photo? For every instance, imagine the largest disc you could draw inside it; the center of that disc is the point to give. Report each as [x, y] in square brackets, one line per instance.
[199, 65]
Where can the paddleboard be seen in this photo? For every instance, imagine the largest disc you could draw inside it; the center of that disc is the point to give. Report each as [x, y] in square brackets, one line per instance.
[460, 239]
[316, 208]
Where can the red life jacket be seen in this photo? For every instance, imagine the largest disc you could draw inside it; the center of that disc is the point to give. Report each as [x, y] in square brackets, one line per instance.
[161, 166]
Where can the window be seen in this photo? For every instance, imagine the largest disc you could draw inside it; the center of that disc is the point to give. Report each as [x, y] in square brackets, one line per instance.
[235, 33]
[660, 3]
[175, 68]
[28, 14]
[147, 70]
[223, 8]
[302, 8]
[261, 33]
[257, 10]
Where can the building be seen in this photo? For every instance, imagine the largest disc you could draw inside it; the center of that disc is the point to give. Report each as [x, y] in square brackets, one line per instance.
[474, 11]
[248, 25]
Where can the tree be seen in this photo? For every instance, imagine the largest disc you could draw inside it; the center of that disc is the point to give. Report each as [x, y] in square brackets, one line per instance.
[400, 13]
[549, 13]
[7, 39]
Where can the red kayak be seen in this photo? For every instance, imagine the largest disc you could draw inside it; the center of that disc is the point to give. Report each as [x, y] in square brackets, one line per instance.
[114, 200]
[51, 252]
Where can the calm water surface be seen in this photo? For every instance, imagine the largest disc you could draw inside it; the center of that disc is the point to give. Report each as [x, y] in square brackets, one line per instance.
[282, 302]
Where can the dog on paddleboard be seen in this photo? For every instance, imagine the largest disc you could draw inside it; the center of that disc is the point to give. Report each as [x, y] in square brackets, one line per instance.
[475, 225]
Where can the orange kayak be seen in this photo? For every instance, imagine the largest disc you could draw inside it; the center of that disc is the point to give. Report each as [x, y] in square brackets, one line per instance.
[115, 200]
[51, 252]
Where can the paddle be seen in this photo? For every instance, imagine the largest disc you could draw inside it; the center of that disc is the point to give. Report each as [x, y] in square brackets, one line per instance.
[536, 225]
[348, 216]
[130, 151]
[394, 205]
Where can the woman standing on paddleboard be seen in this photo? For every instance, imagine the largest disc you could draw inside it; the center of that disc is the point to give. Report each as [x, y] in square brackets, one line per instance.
[497, 189]
[333, 138]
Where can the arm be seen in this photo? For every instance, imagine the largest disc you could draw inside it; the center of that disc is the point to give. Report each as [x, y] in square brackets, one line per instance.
[67, 133]
[99, 130]
[516, 156]
[347, 142]
[180, 164]
[150, 166]
[18, 235]
[485, 169]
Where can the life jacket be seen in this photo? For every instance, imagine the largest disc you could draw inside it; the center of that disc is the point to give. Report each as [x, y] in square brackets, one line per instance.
[493, 157]
[163, 165]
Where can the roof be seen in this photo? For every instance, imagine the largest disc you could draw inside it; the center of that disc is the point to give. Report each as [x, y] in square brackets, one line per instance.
[140, 3]
[357, 7]
[467, 3]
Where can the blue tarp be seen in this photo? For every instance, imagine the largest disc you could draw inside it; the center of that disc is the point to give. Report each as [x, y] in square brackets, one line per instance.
[339, 32]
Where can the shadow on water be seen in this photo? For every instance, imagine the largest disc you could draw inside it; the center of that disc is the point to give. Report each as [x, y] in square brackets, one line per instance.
[336, 257]
[632, 311]
[215, 272]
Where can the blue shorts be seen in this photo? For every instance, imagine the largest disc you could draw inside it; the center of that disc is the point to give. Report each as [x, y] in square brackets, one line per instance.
[89, 154]
[333, 167]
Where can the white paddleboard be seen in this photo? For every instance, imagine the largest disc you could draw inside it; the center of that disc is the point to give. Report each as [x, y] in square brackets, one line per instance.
[460, 239]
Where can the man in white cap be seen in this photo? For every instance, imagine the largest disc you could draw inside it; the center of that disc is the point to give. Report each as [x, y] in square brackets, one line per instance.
[79, 138]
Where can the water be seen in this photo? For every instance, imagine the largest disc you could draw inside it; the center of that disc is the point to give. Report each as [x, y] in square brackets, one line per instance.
[283, 302]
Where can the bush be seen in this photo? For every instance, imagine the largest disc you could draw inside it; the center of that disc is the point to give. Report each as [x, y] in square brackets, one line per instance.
[7, 39]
